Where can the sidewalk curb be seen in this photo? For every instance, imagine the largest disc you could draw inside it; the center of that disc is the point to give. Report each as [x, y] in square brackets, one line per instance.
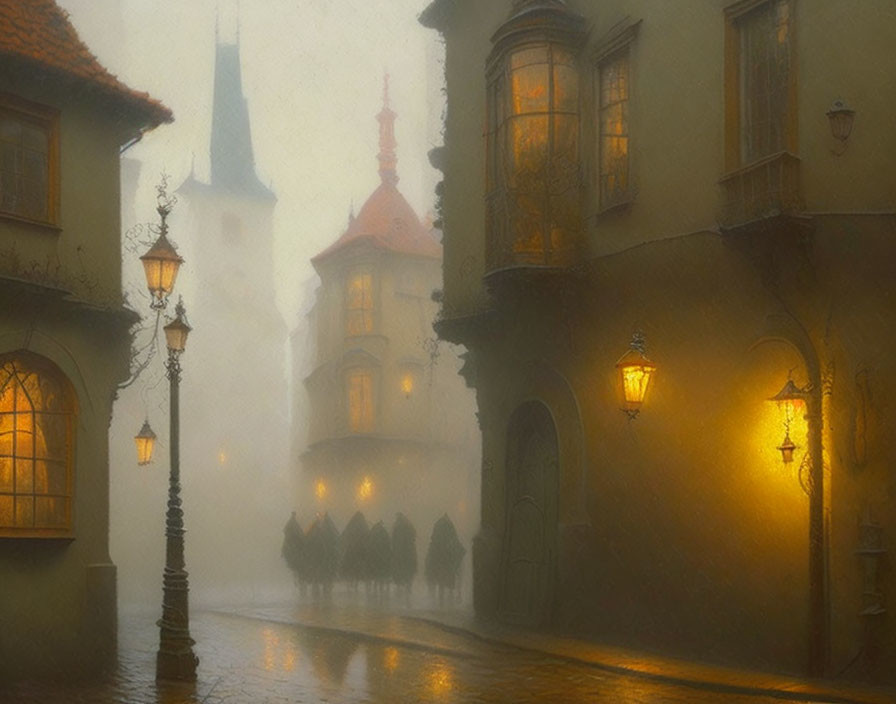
[811, 691]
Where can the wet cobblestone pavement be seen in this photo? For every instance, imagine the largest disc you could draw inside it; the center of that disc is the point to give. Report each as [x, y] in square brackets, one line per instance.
[264, 658]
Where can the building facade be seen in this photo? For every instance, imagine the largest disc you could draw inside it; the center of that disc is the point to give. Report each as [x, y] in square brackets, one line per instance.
[684, 171]
[64, 338]
[388, 423]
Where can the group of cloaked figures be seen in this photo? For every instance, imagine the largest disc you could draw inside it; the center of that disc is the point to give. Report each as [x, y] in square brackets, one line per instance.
[368, 555]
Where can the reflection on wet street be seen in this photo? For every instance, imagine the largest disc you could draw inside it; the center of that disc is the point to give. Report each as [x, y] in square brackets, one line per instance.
[249, 660]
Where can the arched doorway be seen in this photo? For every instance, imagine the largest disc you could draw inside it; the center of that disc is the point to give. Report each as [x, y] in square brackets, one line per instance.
[529, 554]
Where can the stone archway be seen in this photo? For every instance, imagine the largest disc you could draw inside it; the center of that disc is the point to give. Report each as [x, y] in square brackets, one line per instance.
[529, 551]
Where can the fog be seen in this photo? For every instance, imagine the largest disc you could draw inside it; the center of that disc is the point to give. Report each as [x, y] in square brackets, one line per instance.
[312, 75]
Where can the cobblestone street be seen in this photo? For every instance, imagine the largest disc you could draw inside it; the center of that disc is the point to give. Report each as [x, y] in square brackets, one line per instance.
[262, 656]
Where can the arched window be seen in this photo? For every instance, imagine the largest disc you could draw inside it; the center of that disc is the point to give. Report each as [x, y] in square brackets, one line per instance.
[37, 411]
[533, 159]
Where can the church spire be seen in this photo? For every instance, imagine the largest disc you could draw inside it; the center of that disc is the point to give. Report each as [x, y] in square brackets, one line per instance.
[232, 159]
[387, 158]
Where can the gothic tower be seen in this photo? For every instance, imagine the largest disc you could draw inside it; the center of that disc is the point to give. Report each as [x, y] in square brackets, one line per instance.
[237, 431]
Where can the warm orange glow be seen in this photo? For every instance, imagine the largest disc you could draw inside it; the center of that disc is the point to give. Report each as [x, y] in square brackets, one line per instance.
[365, 489]
[320, 489]
[160, 264]
[271, 641]
[34, 422]
[359, 305]
[440, 679]
[289, 658]
[222, 457]
[390, 659]
[635, 380]
[145, 441]
[407, 384]
[614, 139]
[360, 401]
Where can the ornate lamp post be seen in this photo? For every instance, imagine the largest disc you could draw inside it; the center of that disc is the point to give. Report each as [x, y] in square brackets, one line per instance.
[175, 659]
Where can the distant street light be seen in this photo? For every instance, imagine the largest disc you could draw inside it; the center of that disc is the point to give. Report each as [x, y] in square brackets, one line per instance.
[175, 659]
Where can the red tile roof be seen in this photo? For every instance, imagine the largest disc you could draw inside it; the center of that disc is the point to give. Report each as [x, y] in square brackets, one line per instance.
[387, 221]
[39, 32]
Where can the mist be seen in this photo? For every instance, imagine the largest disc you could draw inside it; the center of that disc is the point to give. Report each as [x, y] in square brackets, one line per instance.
[312, 75]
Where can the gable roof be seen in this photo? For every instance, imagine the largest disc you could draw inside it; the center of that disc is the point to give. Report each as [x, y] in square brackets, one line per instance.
[39, 33]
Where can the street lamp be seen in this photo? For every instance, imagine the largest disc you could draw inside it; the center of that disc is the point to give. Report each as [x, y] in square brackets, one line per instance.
[145, 441]
[175, 659]
[792, 399]
[635, 373]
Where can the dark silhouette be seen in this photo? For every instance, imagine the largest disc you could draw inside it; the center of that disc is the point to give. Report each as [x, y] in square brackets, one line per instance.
[322, 552]
[404, 554]
[293, 550]
[379, 558]
[353, 551]
[443, 559]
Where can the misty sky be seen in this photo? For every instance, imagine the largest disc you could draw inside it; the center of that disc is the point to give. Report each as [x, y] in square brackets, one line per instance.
[312, 73]
[313, 76]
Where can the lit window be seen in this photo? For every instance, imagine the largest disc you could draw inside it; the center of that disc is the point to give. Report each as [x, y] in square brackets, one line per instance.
[614, 137]
[764, 79]
[359, 304]
[28, 135]
[533, 162]
[360, 401]
[36, 414]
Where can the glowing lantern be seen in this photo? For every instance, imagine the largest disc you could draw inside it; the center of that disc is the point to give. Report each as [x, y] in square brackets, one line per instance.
[160, 264]
[407, 384]
[320, 490]
[365, 490]
[635, 373]
[790, 399]
[145, 441]
[177, 330]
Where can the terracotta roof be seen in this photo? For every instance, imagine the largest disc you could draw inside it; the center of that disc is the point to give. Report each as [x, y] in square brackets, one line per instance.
[39, 32]
[387, 221]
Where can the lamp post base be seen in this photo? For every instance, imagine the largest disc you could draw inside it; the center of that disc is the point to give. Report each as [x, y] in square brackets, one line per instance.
[176, 665]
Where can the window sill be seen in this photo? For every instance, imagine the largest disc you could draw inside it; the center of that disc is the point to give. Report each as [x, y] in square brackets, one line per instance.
[7, 534]
[44, 225]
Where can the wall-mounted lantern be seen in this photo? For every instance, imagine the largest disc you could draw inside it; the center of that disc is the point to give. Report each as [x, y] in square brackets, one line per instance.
[407, 384]
[320, 489]
[145, 441]
[365, 489]
[635, 373]
[841, 117]
[790, 399]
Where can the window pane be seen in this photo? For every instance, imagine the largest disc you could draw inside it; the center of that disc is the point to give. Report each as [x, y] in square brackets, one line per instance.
[529, 140]
[24, 511]
[6, 471]
[614, 140]
[764, 77]
[24, 476]
[566, 88]
[6, 511]
[529, 89]
[24, 166]
[535, 55]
